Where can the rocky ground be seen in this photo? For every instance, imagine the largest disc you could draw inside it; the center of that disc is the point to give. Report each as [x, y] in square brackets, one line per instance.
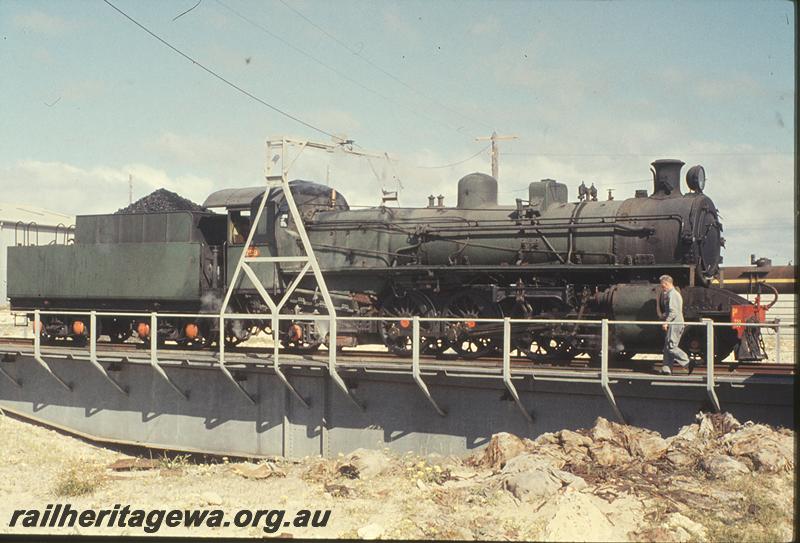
[716, 480]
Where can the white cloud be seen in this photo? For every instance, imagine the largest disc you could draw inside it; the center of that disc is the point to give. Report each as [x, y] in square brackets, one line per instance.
[221, 21]
[707, 87]
[736, 86]
[754, 192]
[85, 89]
[42, 55]
[70, 189]
[360, 179]
[396, 23]
[43, 23]
[341, 122]
[228, 163]
[489, 26]
[239, 63]
[551, 90]
[193, 148]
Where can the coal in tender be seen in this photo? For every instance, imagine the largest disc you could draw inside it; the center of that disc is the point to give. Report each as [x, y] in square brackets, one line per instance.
[160, 201]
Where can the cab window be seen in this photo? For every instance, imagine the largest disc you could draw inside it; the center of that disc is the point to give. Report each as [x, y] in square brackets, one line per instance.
[238, 226]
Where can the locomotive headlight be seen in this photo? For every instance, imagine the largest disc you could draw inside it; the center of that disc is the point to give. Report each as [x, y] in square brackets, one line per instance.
[696, 178]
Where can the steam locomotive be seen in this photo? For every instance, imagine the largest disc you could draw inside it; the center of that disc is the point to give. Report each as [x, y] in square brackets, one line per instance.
[542, 258]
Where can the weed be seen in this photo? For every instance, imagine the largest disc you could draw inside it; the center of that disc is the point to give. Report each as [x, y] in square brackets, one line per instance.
[351, 533]
[761, 520]
[320, 470]
[79, 480]
[404, 528]
[178, 461]
[449, 499]
[421, 470]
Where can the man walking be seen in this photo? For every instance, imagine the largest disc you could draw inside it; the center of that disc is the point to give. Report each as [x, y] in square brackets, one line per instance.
[672, 302]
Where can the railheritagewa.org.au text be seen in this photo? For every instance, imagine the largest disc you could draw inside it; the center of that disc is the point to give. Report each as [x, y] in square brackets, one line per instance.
[63, 515]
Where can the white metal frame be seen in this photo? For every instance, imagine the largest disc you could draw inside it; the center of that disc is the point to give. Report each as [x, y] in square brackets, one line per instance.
[604, 371]
[310, 264]
[93, 353]
[37, 349]
[507, 372]
[154, 357]
[415, 371]
[507, 369]
[712, 394]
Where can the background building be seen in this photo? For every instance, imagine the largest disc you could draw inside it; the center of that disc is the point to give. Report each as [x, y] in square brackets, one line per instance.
[27, 225]
[742, 280]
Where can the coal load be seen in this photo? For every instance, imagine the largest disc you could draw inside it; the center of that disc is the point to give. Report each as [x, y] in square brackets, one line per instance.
[160, 201]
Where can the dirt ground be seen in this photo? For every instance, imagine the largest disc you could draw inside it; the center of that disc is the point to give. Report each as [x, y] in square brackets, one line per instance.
[607, 483]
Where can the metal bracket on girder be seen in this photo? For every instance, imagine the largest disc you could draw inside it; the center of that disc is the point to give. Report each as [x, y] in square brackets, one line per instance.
[332, 371]
[154, 356]
[11, 378]
[712, 394]
[415, 367]
[604, 370]
[276, 367]
[93, 353]
[37, 350]
[507, 368]
[224, 368]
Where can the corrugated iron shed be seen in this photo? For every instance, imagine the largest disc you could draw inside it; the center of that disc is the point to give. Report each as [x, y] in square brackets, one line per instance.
[14, 222]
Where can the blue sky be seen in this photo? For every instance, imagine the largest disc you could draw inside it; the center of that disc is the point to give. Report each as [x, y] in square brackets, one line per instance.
[594, 91]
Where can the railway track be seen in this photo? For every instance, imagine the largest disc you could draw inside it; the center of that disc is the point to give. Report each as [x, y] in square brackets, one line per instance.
[387, 358]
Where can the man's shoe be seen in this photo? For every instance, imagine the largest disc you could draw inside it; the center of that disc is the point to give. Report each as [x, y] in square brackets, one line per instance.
[691, 366]
[665, 370]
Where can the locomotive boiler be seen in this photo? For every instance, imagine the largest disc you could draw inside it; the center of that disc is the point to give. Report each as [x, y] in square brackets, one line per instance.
[541, 258]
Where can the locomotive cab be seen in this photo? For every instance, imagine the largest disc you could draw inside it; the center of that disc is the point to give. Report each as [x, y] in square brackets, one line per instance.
[237, 204]
[238, 226]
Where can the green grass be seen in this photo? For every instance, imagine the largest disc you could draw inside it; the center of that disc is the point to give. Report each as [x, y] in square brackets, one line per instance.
[178, 461]
[761, 517]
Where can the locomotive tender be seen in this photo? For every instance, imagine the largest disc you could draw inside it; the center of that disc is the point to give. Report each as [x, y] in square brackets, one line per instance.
[543, 258]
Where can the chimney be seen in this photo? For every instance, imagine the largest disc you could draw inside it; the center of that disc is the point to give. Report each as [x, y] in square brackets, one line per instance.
[440, 201]
[667, 177]
[431, 198]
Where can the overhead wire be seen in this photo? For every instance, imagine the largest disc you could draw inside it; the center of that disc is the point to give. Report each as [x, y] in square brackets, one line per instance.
[372, 167]
[455, 163]
[648, 154]
[601, 183]
[327, 66]
[256, 98]
[251, 95]
[395, 174]
[635, 182]
[380, 68]
[218, 76]
[186, 11]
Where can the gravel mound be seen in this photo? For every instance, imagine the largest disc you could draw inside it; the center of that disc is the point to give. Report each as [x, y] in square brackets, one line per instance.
[717, 443]
[160, 201]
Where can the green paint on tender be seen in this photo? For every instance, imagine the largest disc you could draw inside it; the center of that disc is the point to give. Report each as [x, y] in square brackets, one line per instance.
[165, 271]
